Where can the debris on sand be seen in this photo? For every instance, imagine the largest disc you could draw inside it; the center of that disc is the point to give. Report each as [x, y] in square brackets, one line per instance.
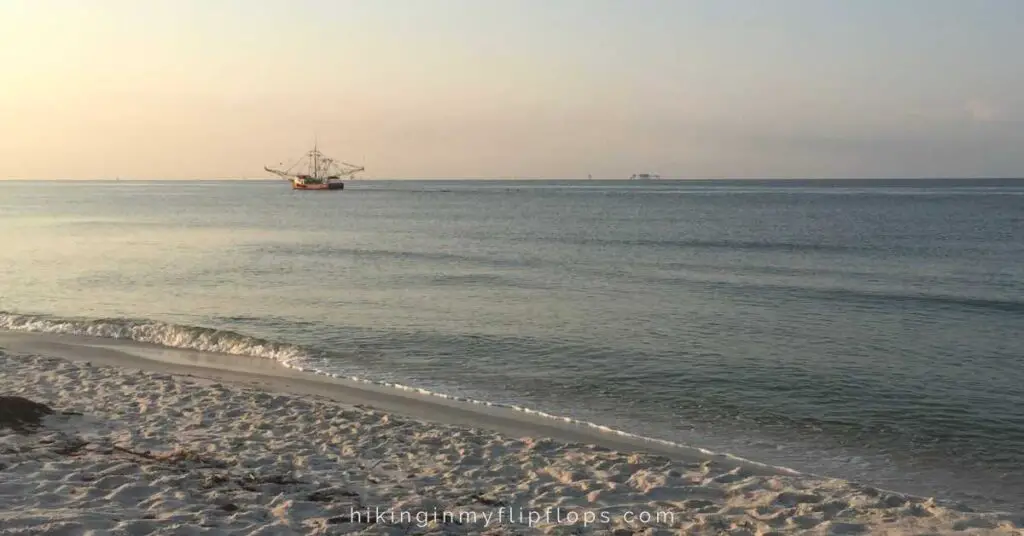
[22, 415]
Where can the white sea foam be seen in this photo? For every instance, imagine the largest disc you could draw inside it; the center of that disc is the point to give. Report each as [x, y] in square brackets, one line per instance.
[170, 335]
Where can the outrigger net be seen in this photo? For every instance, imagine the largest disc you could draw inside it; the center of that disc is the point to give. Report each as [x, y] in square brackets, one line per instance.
[315, 167]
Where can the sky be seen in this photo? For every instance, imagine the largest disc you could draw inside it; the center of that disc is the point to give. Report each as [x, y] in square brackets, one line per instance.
[513, 88]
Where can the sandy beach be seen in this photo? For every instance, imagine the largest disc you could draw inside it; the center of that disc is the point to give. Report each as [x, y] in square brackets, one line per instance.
[141, 444]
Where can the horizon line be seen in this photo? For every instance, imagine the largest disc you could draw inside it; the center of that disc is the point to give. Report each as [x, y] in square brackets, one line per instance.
[499, 178]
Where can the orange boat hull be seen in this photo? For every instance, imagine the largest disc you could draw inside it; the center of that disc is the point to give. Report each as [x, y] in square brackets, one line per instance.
[318, 186]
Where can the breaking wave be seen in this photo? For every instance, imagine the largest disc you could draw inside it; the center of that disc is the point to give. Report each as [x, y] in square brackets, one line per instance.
[164, 334]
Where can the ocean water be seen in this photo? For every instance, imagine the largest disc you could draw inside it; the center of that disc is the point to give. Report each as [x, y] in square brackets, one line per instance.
[861, 329]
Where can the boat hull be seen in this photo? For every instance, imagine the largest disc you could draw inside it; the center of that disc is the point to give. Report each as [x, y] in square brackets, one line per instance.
[332, 185]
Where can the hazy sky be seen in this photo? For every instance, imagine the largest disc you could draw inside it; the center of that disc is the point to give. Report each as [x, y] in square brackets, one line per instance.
[548, 88]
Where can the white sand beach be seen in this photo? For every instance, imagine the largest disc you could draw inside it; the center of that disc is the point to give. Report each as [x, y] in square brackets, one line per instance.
[138, 446]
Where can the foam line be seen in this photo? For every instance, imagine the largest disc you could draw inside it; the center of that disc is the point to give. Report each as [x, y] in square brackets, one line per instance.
[291, 356]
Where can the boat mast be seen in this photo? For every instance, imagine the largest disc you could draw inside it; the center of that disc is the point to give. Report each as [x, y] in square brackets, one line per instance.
[316, 160]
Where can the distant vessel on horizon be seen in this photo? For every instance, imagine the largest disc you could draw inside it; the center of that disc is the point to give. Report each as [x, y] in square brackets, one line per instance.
[644, 176]
[322, 172]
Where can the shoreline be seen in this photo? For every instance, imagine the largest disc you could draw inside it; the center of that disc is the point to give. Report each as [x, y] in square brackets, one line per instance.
[272, 375]
[413, 455]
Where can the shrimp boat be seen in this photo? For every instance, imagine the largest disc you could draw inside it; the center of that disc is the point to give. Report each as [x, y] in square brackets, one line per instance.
[316, 171]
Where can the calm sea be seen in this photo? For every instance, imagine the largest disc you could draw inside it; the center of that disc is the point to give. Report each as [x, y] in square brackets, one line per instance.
[862, 329]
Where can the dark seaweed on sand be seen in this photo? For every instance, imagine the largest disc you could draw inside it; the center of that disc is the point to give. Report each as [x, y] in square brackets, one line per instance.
[22, 415]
